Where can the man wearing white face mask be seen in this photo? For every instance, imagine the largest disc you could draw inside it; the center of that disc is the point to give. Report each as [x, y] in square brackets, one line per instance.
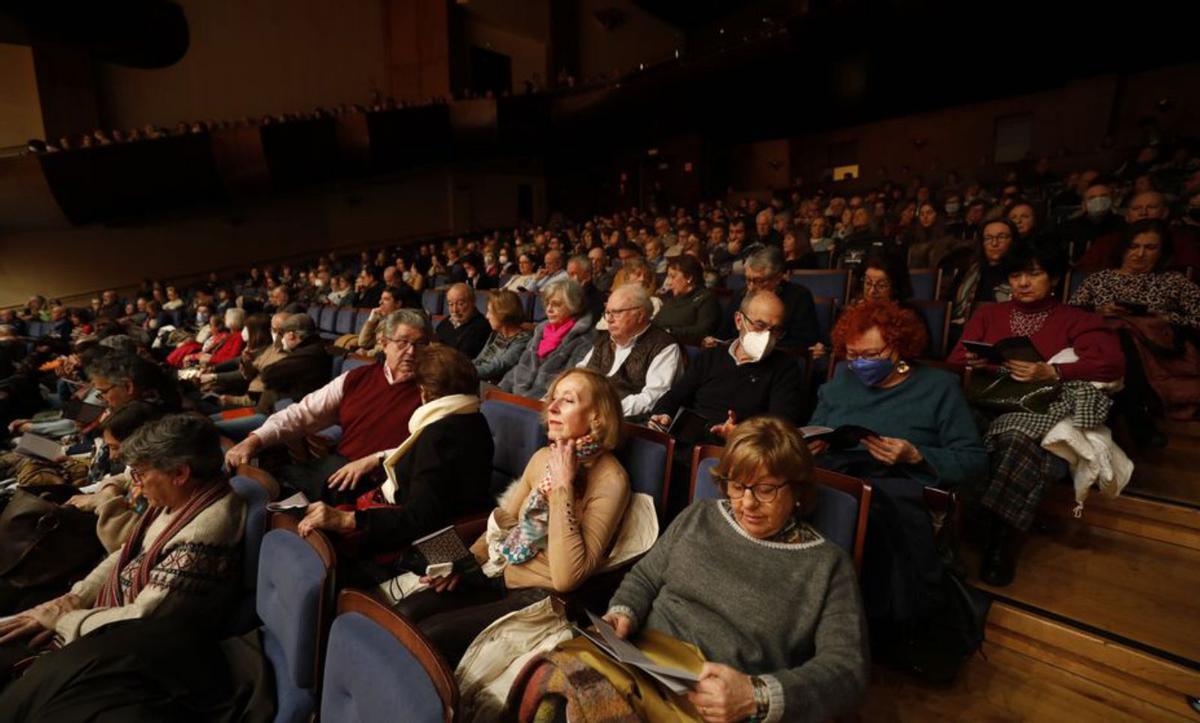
[1096, 223]
[727, 384]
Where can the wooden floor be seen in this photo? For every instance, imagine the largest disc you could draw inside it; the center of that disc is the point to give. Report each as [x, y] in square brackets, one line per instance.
[1172, 473]
[1140, 589]
[1006, 686]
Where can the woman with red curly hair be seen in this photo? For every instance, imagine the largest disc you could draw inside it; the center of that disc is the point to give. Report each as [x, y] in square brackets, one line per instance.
[924, 429]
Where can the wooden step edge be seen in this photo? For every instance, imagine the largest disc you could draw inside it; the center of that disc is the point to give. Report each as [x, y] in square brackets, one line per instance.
[1151, 679]
[1151, 519]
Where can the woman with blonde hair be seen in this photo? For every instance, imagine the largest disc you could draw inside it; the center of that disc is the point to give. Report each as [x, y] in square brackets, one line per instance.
[554, 527]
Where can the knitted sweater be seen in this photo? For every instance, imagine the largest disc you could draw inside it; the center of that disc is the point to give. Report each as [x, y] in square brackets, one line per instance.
[928, 409]
[532, 375]
[788, 613]
[198, 571]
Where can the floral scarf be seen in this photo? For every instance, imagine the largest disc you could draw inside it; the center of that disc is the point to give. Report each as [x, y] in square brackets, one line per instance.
[528, 536]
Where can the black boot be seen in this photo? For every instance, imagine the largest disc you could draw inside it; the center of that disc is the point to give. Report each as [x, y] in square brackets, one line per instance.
[999, 563]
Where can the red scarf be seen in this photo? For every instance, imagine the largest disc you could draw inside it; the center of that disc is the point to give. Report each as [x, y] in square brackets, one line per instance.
[111, 595]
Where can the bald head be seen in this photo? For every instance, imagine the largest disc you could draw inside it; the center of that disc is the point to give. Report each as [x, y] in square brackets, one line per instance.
[763, 306]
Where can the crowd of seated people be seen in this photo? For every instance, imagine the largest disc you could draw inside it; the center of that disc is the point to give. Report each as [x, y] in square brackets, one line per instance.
[650, 318]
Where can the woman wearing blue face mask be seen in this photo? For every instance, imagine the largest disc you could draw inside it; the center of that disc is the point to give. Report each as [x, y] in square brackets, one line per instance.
[924, 429]
[923, 435]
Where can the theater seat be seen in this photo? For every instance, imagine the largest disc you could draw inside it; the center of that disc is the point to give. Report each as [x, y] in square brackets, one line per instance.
[842, 501]
[256, 497]
[326, 322]
[539, 309]
[344, 321]
[516, 432]
[481, 301]
[294, 600]
[937, 319]
[431, 301]
[924, 283]
[379, 667]
[826, 310]
[314, 313]
[360, 319]
[646, 456]
[354, 362]
[834, 283]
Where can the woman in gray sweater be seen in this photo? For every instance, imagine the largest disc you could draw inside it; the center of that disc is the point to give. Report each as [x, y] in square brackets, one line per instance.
[772, 604]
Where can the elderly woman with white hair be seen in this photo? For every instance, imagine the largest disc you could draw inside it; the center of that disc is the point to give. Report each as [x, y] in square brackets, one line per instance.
[558, 343]
[225, 342]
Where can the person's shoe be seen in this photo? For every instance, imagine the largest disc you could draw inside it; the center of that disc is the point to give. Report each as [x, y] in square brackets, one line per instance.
[998, 565]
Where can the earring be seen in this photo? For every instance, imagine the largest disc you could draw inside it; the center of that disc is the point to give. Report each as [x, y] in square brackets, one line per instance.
[903, 367]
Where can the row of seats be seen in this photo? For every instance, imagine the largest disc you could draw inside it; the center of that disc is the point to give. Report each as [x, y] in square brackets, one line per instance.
[371, 664]
[334, 321]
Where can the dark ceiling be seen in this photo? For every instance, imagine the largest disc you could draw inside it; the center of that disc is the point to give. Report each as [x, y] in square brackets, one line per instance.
[136, 33]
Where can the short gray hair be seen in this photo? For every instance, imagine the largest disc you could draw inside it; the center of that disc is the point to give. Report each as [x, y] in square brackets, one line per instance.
[235, 317]
[301, 324]
[121, 343]
[174, 441]
[571, 293]
[407, 317]
[460, 285]
[638, 296]
[768, 260]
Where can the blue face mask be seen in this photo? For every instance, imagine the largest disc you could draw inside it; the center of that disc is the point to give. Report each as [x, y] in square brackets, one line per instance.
[872, 371]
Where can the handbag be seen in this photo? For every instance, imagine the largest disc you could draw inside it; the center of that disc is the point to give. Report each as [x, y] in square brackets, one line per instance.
[1000, 393]
[41, 542]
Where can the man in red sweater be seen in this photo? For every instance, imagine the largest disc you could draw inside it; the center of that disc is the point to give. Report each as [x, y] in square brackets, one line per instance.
[372, 404]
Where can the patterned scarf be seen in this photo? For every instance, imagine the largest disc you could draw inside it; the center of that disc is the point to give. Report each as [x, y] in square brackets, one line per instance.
[111, 595]
[528, 536]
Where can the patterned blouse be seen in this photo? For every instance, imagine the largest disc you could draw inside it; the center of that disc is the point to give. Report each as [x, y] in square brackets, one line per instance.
[1169, 293]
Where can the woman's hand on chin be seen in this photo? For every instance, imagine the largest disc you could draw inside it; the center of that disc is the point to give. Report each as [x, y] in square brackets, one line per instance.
[562, 464]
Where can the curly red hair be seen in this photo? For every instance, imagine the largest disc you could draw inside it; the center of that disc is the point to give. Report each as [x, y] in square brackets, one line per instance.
[902, 329]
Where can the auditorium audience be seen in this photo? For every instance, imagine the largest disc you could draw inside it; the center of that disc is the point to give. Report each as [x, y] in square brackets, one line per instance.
[507, 342]
[464, 328]
[639, 358]
[558, 343]
[372, 404]
[984, 280]
[553, 527]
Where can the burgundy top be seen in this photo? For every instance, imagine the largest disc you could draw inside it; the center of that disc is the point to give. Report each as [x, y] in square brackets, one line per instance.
[374, 414]
[1098, 348]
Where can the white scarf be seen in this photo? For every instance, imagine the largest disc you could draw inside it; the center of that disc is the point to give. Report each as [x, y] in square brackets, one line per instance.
[424, 416]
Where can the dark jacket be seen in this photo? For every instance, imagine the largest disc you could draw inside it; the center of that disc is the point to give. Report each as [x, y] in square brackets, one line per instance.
[446, 475]
[468, 338]
[799, 317]
[302, 370]
[690, 317]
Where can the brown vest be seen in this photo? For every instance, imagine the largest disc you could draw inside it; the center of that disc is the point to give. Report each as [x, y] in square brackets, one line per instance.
[631, 377]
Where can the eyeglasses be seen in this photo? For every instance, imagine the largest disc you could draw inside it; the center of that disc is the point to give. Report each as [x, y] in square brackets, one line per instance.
[405, 344]
[764, 280]
[877, 285]
[880, 354]
[611, 314]
[998, 238]
[761, 325]
[762, 492]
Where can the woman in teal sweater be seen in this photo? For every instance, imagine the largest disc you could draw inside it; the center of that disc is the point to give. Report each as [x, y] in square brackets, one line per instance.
[924, 429]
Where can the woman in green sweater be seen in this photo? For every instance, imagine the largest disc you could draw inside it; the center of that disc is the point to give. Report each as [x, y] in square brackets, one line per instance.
[772, 605]
[924, 429]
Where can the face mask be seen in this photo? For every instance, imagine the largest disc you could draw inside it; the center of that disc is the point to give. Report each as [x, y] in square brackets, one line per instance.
[1099, 205]
[757, 344]
[872, 371]
[504, 259]
[245, 334]
[201, 318]
[952, 208]
[318, 283]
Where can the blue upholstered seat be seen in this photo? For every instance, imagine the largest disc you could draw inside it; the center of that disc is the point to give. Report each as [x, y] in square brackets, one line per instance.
[517, 433]
[256, 497]
[924, 283]
[291, 578]
[343, 322]
[647, 464]
[371, 676]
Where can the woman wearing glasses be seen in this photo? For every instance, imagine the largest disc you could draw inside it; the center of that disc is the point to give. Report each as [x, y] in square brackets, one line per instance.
[181, 556]
[985, 279]
[795, 647]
